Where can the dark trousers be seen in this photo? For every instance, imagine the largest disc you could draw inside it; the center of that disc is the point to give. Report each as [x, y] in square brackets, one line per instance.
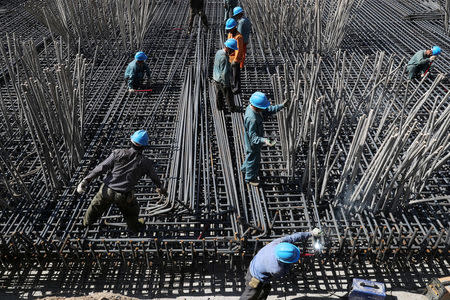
[236, 78]
[221, 93]
[197, 11]
[126, 202]
[260, 293]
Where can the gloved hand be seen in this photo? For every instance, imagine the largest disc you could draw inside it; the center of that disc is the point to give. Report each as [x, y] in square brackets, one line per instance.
[161, 191]
[131, 90]
[269, 142]
[316, 232]
[432, 58]
[81, 188]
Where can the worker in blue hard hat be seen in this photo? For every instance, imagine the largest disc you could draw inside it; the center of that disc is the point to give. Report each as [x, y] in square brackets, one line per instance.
[419, 64]
[197, 7]
[273, 261]
[237, 58]
[258, 108]
[244, 27]
[222, 74]
[229, 5]
[124, 168]
[135, 71]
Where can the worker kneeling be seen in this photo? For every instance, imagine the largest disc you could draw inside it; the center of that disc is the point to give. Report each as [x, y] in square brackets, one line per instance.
[134, 74]
[254, 131]
[419, 64]
[125, 167]
[273, 261]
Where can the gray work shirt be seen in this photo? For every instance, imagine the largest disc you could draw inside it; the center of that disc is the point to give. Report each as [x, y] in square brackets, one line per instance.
[125, 167]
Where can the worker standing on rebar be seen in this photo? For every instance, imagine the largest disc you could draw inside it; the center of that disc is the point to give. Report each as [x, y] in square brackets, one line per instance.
[125, 167]
[229, 5]
[134, 74]
[254, 130]
[419, 64]
[273, 261]
[197, 7]
[244, 27]
[237, 58]
[222, 74]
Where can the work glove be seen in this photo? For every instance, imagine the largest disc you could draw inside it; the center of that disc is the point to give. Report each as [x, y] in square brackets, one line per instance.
[269, 142]
[131, 90]
[316, 232]
[161, 191]
[81, 188]
[433, 57]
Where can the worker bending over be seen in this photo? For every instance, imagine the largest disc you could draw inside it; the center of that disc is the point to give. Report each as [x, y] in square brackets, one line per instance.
[237, 58]
[135, 71]
[125, 167]
[222, 73]
[229, 5]
[254, 131]
[197, 7]
[244, 27]
[273, 261]
[419, 64]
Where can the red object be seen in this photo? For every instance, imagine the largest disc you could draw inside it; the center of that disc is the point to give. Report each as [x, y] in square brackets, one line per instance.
[306, 254]
[148, 90]
[427, 69]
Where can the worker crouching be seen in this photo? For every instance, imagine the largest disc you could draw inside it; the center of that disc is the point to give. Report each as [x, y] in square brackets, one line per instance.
[273, 261]
[124, 168]
[222, 74]
[420, 63]
[237, 58]
[134, 74]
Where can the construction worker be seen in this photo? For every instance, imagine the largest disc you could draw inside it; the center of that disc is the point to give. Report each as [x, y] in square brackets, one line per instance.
[229, 5]
[135, 71]
[222, 73]
[419, 64]
[254, 131]
[244, 27]
[197, 7]
[273, 261]
[125, 167]
[237, 58]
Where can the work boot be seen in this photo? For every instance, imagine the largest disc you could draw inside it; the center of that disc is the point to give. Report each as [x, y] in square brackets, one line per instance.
[254, 182]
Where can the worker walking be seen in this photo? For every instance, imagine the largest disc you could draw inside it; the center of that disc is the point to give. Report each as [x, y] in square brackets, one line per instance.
[237, 58]
[125, 167]
[134, 74]
[229, 5]
[197, 7]
[273, 261]
[421, 62]
[222, 74]
[254, 130]
[244, 27]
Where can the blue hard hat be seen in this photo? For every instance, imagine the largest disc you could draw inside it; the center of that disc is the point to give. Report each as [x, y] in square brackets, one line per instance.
[231, 43]
[259, 100]
[436, 50]
[140, 137]
[287, 253]
[140, 56]
[237, 10]
[230, 24]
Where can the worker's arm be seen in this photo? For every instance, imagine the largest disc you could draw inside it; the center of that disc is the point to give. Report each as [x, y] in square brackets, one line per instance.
[254, 138]
[150, 172]
[147, 70]
[296, 237]
[102, 168]
[225, 71]
[239, 53]
[273, 109]
[131, 77]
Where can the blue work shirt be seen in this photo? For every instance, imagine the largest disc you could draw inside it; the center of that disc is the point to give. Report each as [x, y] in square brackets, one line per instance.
[222, 68]
[265, 265]
[136, 71]
[245, 28]
[254, 128]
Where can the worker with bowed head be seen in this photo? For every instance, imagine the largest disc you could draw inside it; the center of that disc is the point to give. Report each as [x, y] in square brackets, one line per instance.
[237, 58]
[197, 7]
[229, 5]
[419, 64]
[124, 168]
[222, 74]
[258, 108]
[273, 261]
[134, 74]
[244, 27]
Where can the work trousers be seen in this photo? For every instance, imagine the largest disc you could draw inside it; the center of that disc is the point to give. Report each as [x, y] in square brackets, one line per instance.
[236, 68]
[194, 12]
[136, 83]
[126, 202]
[245, 54]
[416, 71]
[222, 92]
[251, 163]
[250, 293]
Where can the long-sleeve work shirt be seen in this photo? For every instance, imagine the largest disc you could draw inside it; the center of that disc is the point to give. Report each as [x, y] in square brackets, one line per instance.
[245, 28]
[239, 54]
[222, 68]
[135, 72]
[420, 62]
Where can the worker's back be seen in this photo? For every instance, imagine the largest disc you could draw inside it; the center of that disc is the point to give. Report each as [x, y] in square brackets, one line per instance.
[265, 264]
